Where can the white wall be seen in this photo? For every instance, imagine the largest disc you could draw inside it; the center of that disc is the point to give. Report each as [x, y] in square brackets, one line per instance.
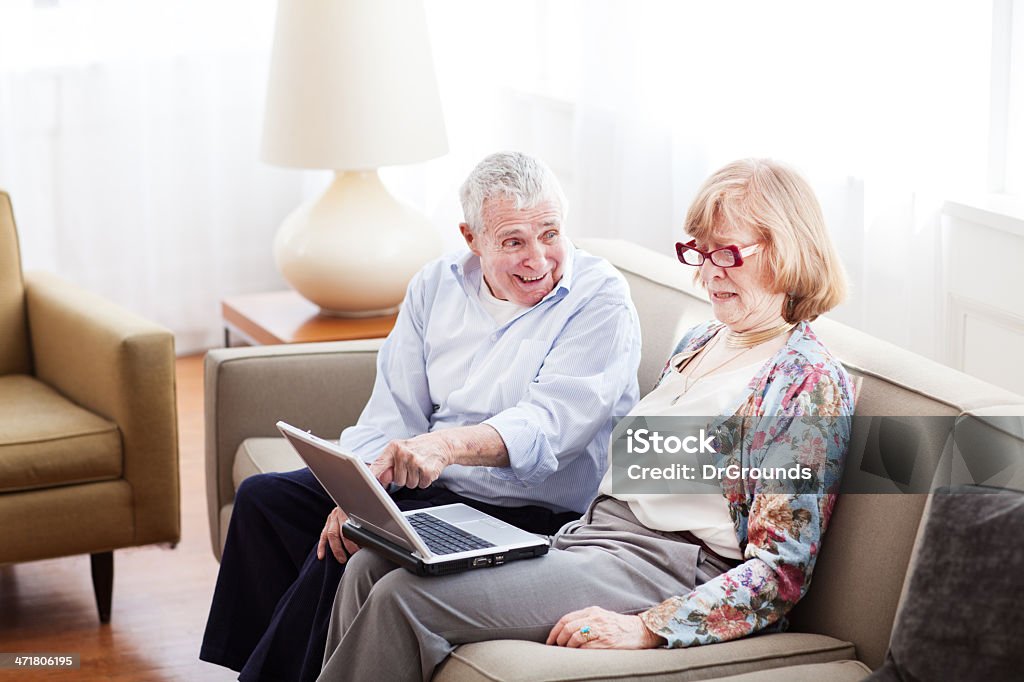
[983, 249]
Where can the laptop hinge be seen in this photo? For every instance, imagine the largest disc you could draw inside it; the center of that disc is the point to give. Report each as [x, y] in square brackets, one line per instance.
[396, 539]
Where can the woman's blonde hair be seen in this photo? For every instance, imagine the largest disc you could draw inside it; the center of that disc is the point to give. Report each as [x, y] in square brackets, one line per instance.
[779, 205]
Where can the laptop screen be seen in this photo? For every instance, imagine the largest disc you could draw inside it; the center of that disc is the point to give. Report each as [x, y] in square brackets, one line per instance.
[352, 488]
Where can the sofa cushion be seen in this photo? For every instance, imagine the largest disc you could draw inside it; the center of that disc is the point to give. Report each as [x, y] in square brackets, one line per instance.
[836, 671]
[263, 455]
[46, 440]
[961, 616]
[533, 661]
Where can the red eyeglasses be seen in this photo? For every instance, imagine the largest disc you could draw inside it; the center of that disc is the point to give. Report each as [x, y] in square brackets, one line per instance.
[726, 257]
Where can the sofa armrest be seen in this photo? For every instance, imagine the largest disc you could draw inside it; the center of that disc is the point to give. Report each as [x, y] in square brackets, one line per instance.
[322, 387]
[120, 366]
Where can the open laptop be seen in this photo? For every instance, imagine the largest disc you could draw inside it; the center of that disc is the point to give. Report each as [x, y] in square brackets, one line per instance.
[435, 541]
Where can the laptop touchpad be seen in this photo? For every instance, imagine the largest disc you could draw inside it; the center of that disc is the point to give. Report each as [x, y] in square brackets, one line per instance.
[455, 514]
[494, 531]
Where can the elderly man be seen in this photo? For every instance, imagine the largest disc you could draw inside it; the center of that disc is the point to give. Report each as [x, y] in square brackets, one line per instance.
[497, 388]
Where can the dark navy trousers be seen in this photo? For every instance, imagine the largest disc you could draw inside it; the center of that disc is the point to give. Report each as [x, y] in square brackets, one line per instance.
[273, 600]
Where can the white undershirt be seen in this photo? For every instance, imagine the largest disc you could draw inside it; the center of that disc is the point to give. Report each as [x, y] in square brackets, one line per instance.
[501, 311]
[704, 515]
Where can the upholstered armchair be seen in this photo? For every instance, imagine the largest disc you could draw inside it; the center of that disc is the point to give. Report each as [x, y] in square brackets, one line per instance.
[88, 423]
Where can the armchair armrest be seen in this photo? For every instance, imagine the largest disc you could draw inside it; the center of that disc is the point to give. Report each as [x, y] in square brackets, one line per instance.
[322, 387]
[120, 366]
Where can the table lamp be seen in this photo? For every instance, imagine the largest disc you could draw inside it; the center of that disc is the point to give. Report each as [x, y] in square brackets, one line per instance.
[351, 89]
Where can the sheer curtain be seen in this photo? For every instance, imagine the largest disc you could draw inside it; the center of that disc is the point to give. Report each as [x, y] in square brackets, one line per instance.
[884, 106]
[129, 132]
[129, 141]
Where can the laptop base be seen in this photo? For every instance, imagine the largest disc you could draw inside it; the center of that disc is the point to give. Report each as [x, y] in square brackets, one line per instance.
[401, 556]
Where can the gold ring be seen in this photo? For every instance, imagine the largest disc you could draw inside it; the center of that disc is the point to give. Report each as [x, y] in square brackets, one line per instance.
[586, 633]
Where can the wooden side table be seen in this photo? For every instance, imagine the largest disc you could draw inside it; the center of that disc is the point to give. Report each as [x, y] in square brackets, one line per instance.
[286, 317]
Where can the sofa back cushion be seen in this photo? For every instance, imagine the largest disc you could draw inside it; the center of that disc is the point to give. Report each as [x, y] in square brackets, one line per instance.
[14, 353]
[865, 555]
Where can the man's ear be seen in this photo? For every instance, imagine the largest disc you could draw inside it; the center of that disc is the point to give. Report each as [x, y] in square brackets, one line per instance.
[471, 239]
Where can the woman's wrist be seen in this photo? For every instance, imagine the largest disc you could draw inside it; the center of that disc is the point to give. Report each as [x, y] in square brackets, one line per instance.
[652, 640]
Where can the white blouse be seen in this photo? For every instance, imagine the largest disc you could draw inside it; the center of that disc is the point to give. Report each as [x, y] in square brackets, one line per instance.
[704, 515]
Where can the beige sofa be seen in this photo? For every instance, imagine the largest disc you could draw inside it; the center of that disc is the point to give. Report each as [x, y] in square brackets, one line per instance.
[839, 631]
[88, 423]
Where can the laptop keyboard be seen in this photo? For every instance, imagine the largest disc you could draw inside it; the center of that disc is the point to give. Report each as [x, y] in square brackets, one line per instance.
[444, 538]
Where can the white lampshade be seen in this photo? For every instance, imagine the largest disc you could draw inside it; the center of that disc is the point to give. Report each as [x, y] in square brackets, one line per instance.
[352, 86]
[352, 89]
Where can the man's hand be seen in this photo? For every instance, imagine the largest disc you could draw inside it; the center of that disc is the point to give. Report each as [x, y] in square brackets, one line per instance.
[331, 535]
[413, 462]
[597, 628]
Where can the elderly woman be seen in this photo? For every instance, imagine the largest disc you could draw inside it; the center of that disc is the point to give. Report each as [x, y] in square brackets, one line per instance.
[651, 570]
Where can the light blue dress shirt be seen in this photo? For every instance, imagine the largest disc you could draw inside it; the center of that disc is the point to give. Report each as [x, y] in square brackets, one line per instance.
[551, 380]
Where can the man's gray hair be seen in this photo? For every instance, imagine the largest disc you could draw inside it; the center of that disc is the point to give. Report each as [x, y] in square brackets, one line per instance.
[513, 175]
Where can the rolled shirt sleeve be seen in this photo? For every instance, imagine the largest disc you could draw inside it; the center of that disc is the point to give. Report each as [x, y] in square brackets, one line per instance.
[591, 365]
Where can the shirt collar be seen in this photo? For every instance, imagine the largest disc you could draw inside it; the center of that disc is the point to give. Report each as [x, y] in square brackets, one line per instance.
[468, 263]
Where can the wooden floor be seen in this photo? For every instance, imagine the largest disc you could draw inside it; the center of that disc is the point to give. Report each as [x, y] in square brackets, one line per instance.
[161, 596]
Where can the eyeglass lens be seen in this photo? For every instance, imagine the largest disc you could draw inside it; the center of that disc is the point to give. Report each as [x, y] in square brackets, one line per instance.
[723, 258]
[691, 256]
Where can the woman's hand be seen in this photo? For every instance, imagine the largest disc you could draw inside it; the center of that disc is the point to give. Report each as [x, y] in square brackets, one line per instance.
[607, 630]
[341, 547]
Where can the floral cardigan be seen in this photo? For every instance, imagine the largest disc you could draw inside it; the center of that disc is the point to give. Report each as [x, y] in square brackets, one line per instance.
[800, 403]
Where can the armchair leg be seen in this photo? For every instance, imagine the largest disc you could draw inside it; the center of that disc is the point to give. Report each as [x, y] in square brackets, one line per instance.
[103, 582]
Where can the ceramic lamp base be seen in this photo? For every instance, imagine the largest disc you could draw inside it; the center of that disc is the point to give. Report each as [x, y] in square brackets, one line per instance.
[353, 250]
